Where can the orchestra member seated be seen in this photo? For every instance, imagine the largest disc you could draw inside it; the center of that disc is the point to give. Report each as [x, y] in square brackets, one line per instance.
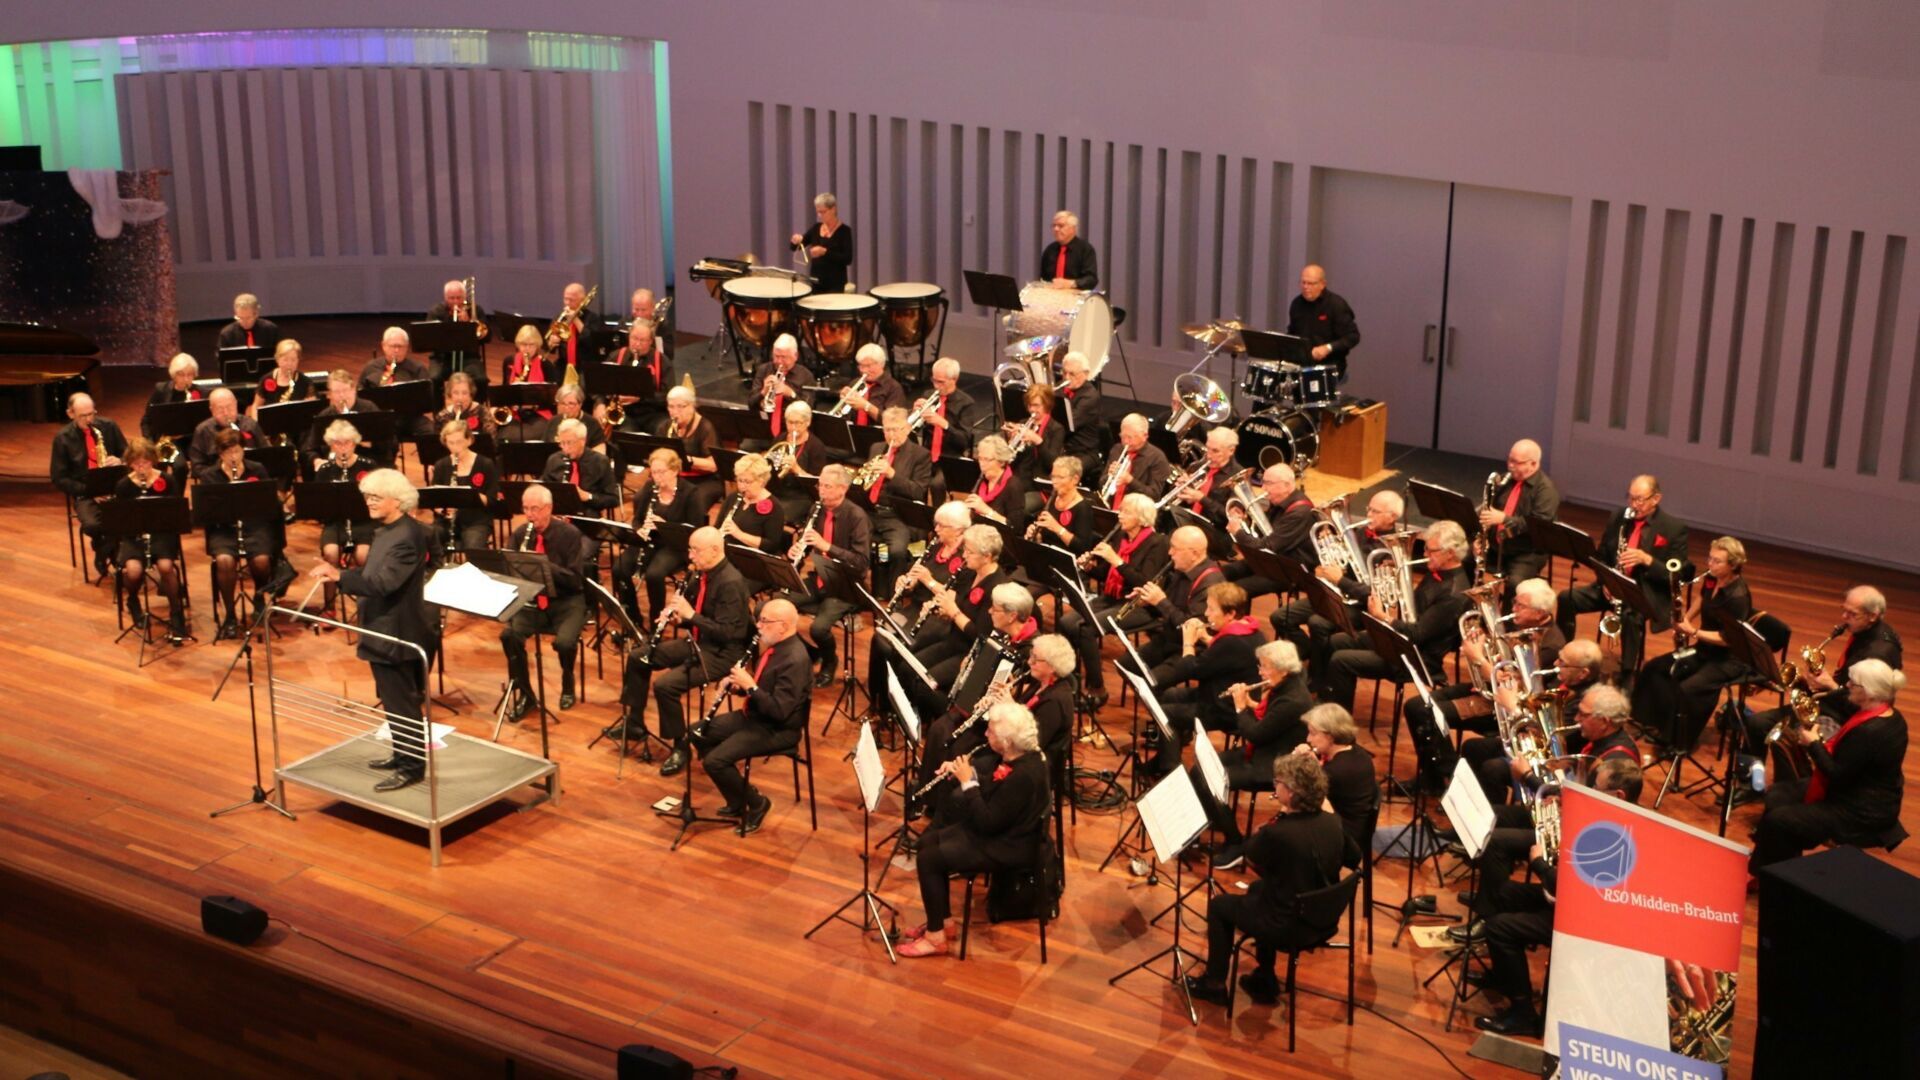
[1863, 619]
[1300, 851]
[642, 350]
[527, 365]
[561, 614]
[664, 497]
[777, 383]
[284, 383]
[834, 546]
[343, 400]
[1288, 529]
[1527, 493]
[1209, 500]
[248, 328]
[591, 477]
[456, 306]
[969, 681]
[1134, 465]
[1853, 796]
[161, 551]
[999, 496]
[343, 541]
[1675, 693]
[1077, 398]
[770, 721]
[90, 441]
[948, 426]
[913, 602]
[1062, 520]
[1133, 559]
[999, 822]
[698, 469]
[463, 466]
[393, 364]
[461, 408]
[225, 416]
[902, 469]
[1267, 717]
[253, 541]
[1461, 703]
[798, 462]
[1581, 667]
[1036, 440]
[570, 403]
[1521, 915]
[1352, 792]
[1639, 541]
[753, 517]
[1216, 652]
[1176, 597]
[1440, 596]
[882, 391]
[712, 609]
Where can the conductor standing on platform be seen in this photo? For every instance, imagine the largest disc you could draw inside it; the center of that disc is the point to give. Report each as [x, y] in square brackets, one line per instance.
[391, 589]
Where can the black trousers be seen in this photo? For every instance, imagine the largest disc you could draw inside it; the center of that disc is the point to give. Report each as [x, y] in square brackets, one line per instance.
[732, 738]
[1584, 598]
[401, 689]
[1678, 707]
[946, 851]
[1227, 915]
[564, 618]
[1350, 661]
[891, 538]
[1487, 757]
[681, 668]
[661, 564]
[1460, 704]
[1791, 825]
[1086, 638]
[827, 611]
[1508, 936]
[87, 512]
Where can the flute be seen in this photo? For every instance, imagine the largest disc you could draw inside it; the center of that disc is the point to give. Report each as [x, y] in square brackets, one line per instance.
[945, 774]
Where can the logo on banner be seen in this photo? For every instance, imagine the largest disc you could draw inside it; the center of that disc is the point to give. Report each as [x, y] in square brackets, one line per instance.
[1603, 854]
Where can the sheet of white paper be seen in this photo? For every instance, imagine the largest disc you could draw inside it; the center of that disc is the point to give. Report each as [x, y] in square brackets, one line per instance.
[1172, 814]
[440, 732]
[1127, 641]
[1468, 809]
[1211, 766]
[868, 768]
[466, 588]
[1145, 693]
[900, 703]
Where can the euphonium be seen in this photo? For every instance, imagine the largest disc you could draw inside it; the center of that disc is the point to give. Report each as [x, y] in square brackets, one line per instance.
[1252, 507]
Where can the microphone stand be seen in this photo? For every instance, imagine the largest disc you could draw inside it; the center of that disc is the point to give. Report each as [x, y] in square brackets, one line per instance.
[258, 797]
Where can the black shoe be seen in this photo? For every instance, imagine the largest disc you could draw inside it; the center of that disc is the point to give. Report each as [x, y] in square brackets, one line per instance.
[99, 563]
[676, 762]
[754, 814]
[824, 679]
[388, 763]
[1229, 857]
[1212, 992]
[229, 630]
[1093, 701]
[399, 780]
[566, 700]
[519, 701]
[1472, 932]
[138, 618]
[1742, 795]
[730, 811]
[1521, 1022]
[1262, 987]
[1468, 898]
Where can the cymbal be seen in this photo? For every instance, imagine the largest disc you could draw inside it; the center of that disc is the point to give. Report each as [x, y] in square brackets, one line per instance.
[1213, 334]
[1230, 324]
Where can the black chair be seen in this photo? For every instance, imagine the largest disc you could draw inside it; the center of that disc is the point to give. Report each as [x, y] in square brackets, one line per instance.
[1317, 919]
[800, 753]
[1042, 855]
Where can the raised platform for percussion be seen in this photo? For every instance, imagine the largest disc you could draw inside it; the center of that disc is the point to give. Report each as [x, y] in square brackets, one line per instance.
[1357, 446]
[470, 774]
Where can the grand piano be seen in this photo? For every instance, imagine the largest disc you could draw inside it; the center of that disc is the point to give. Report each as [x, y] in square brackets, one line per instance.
[39, 367]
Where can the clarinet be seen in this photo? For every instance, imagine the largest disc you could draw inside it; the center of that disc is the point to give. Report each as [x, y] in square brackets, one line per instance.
[665, 622]
[721, 692]
[945, 775]
[1133, 602]
[1002, 680]
[798, 553]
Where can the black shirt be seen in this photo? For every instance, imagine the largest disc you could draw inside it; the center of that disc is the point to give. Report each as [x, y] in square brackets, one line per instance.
[829, 270]
[265, 335]
[1326, 321]
[1083, 266]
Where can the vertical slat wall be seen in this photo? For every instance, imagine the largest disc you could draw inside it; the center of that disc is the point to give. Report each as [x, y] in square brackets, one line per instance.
[1182, 234]
[349, 189]
[1763, 369]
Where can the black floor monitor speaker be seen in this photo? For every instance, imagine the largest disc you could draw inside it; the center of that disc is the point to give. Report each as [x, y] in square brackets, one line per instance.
[640, 1062]
[232, 919]
[1839, 968]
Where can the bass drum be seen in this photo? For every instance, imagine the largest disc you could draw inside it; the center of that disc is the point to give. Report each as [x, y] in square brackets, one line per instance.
[835, 325]
[911, 312]
[759, 309]
[1287, 437]
[1060, 321]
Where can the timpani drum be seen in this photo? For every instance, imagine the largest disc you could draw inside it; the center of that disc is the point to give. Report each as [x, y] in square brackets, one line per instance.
[759, 309]
[910, 312]
[835, 325]
[1289, 437]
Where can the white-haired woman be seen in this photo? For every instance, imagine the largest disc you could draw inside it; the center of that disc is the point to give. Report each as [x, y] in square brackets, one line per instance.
[1853, 795]
[827, 244]
[1000, 494]
[1132, 559]
[1269, 722]
[998, 819]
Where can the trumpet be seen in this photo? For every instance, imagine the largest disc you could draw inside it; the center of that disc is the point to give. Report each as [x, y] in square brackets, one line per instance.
[771, 397]
[1110, 484]
[928, 405]
[945, 773]
[1804, 709]
[844, 405]
[502, 415]
[1024, 434]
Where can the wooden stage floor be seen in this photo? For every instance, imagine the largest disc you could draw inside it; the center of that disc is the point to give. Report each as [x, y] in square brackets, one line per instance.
[569, 929]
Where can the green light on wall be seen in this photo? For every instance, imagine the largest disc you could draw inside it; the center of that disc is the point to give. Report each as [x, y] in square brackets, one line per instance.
[59, 95]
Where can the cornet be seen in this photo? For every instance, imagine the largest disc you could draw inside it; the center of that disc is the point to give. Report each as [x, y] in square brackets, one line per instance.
[845, 404]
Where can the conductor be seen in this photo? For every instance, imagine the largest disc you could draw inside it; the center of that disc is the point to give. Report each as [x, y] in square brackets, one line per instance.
[391, 589]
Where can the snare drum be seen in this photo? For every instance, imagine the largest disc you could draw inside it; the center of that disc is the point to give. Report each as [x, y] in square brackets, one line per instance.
[1274, 436]
[759, 309]
[1271, 381]
[835, 325]
[910, 311]
[1319, 387]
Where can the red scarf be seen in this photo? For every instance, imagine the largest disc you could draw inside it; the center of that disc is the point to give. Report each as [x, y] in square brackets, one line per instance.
[1115, 584]
[1206, 489]
[699, 601]
[987, 495]
[1817, 783]
[1040, 692]
[1236, 628]
[93, 448]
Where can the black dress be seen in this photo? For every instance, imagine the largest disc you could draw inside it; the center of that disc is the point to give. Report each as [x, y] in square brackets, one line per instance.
[830, 270]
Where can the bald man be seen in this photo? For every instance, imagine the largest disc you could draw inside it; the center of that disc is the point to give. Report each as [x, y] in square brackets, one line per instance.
[89, 441]
[774, 689]
[711, 609]
[1527, 492]
[225, 416]
[1290, 515]
[579, 346]
[1324, 319]
[456, 306]
[1181, 598]
[1069, 262]
[1639, 540]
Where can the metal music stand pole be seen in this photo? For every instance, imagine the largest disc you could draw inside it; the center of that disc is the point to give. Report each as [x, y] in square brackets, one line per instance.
[1181, 959]
[870, 901]
[259, 795]
[685, 812]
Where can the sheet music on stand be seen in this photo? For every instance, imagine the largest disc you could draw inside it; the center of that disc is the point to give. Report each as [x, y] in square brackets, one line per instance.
[868, 768]
[1172, 814]
[468, 588]
[1139, 664]
[1426, 695]
[909, 719]
[1468, 809]
[1145, 690]
[1211, 767]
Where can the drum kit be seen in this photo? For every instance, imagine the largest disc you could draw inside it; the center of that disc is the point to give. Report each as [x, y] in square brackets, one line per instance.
[1287, 396]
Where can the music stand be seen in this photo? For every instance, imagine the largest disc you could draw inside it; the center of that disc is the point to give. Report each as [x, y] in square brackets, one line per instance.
[1560, 540]
[100, 483]
[630, 632]
[521, 569]
[333, 501]
[872, 778]
[997, 291]
[619, 380]
[566, 501]
[912, 512]
[773, 572]
[1632, 597]
[506, 326]
[376, 430]
[1444, 504]
[835, 433]
[635, 447]
[1274, 345]
[962, 474]
[526, 458]
[1143, 689]
[869, 441]
[732, 423]
[221, 505]
[133, 518]
[843, 585]
[444, 336]
[725, 460]
[412, 399]
[1172, 818]
[289, 419]
[177, 419]
[1329, 603]
[243, 363]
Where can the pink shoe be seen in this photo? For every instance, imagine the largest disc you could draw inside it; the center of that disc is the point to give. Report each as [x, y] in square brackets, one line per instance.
[920, 947]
